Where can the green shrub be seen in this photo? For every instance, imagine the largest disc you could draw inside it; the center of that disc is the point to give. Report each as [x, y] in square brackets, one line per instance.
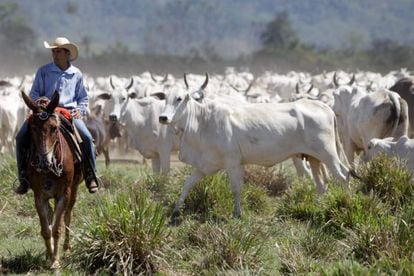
[29, 261]
[210, 198]
[274, 180]
[389, 179]
[233, 245]
[123, 235]
[299, 202]
[340, 209]
[255, 199]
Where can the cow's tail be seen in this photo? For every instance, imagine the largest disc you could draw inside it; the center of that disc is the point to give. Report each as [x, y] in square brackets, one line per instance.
[341, 152]
[395, 116]
[403, 122]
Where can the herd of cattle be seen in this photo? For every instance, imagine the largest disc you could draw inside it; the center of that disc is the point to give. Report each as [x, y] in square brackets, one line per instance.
[224, 121]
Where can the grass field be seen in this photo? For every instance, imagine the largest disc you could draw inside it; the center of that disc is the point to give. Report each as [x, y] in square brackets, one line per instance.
[285, 228]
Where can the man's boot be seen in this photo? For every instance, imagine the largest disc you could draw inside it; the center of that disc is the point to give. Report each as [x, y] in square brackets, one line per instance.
[91, 184]
[91, 179]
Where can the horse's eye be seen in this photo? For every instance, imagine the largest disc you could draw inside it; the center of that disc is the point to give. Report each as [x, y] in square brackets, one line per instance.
[179, 99]
[123, 98]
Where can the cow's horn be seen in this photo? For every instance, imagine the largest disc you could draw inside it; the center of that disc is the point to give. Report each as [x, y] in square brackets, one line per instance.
[185, 80]
[205, 82]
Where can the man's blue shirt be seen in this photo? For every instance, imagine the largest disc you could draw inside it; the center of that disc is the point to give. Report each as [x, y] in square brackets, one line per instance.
[69, 83]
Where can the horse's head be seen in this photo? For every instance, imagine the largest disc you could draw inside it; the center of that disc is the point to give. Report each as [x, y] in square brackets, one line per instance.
[44, 129]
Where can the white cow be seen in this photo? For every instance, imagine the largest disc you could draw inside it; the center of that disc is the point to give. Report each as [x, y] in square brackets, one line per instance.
[402, 148]
[363, 116]
[216, 136]
[12, 114]
[140, 117]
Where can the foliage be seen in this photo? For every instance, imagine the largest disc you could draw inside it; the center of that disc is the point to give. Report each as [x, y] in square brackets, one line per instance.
[230, 246]
[29, 260]
[122, 229]
[274, 181]
[124, 235]
[15, 34]
[389, 179]
[279, 33]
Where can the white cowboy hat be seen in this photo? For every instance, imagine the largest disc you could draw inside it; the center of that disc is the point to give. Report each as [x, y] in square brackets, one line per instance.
[63, 42]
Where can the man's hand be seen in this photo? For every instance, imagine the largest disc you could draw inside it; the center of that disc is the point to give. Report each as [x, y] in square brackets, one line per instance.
[76, 113]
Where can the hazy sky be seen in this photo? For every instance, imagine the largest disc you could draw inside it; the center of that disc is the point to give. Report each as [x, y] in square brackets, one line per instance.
[228, 28]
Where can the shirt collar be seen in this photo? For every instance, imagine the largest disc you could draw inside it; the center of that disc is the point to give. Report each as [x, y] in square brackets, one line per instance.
[55, 68]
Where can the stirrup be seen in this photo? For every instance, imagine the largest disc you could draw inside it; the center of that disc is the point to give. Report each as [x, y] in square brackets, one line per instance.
[92, 183]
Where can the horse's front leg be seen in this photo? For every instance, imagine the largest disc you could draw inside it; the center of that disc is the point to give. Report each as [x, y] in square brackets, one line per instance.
[60, 208]
[68, 219]
[43, 210]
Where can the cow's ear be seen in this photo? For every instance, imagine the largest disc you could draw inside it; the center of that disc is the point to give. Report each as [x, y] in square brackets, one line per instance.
[198, 95]
[104, 96]
[159, 95]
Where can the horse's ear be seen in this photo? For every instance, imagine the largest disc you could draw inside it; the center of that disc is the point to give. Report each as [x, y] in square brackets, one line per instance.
[28, 101]
[54, 101]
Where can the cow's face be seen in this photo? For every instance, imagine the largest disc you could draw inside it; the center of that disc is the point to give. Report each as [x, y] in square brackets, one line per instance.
[176, 103]
[116, 101]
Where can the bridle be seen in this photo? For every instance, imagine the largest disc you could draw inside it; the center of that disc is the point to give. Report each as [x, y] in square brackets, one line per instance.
[41, 164]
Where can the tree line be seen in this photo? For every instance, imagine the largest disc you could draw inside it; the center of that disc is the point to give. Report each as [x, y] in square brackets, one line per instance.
[281, 50]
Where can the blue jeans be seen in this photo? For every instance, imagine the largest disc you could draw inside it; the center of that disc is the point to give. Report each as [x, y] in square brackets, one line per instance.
[22, 143]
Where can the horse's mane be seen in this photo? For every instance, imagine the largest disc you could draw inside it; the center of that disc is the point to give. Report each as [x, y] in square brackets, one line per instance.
[42, 102]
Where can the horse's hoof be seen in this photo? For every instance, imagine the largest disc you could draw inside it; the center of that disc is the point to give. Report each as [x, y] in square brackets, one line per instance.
[55, 265]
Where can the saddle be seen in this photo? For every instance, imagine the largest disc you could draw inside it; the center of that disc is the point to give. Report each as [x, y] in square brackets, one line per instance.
[70, 132]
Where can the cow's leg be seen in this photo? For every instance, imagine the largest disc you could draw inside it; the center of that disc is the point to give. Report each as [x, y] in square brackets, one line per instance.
[43, 210]
[165, 163]
[155, 164]
[195, 176]
[60, 208]
[106, 155]
[349, 149]
[301, 167]
[330, 158]
[236, 175]
[316, 167]
[325, 173]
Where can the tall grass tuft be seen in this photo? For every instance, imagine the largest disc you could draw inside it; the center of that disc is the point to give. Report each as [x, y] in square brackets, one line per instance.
[122, 235]
[340, 210]
[274, 180]
[389, 179]
[210, 198]
[29, 261]
[299, 202]
[7, 173]
[234, 245]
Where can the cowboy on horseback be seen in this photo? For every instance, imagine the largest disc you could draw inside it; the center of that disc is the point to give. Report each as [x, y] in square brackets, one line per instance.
[60, 75]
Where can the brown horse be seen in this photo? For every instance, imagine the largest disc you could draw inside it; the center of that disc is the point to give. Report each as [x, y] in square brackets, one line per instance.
[52, 173]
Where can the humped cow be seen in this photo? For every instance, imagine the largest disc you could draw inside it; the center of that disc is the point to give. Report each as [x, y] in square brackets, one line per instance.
[363, 116]
[215, 136]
